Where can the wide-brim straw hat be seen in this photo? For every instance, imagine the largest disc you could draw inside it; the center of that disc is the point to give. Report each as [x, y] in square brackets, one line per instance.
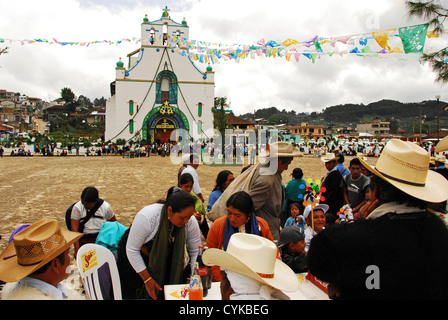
[442, 145]
[255, 257]
[329, 157]
[34, 247]
[405, 165]
[283, 149]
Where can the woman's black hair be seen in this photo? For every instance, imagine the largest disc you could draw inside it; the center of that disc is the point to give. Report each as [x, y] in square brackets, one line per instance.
[90, 195]
[185, 178]
[221, 179]
[178, 199]
[241, 201]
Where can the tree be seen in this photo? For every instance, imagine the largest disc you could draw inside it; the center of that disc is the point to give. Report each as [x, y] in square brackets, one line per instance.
[220, 117]
[68, 96]
[436, 15]
[99, 102]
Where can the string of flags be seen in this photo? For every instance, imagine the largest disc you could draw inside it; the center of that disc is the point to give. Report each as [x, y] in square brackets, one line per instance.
[380, 44]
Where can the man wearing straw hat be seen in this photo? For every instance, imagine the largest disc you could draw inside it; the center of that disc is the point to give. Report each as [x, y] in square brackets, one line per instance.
[266, 187]
[400, 250]
[37, 257]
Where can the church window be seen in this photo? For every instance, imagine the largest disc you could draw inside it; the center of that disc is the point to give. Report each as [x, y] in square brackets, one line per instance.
[166, 87]
[165, 33]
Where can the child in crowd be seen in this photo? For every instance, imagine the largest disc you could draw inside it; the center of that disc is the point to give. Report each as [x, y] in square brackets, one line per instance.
[292, 248]
[295, 217]
[317, 221]
[186, 182]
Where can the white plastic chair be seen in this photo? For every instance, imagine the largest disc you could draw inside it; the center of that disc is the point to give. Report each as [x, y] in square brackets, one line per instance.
[99, 272]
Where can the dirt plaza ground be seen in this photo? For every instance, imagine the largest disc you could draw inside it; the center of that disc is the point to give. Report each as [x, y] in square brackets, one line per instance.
[32, 188]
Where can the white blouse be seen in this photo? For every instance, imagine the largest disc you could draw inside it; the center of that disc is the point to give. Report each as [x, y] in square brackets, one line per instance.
[144, 229]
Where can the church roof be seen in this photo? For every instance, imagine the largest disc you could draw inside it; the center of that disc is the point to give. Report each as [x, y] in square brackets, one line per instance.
[234, 120]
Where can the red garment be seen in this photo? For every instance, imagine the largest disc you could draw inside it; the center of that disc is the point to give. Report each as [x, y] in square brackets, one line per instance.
[215, 238]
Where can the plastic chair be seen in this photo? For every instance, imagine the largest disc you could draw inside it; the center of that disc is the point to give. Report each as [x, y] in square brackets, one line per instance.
[99, 273]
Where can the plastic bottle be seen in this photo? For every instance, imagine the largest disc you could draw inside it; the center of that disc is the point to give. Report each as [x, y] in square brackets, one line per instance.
[195, 287]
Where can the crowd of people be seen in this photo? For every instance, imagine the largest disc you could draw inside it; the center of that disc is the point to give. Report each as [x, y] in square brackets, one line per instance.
[260, 233]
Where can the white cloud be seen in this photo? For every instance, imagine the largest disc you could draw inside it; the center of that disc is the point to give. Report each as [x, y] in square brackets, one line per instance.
[42, 70]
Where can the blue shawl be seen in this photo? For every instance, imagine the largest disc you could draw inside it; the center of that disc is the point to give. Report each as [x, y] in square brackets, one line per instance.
[251, 227]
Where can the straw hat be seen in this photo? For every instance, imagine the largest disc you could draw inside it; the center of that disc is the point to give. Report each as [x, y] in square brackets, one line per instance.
[283, 149]
[406, 166]
[442, 145]
[255, 257]
[329, 157]
[34, 247]
[361, 155]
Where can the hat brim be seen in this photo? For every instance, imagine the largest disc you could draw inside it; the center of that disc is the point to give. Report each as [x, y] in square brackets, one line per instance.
[284, 277]
[295, 153]
[12, 271]
[435, 189]
[329, 159]
[442, 145]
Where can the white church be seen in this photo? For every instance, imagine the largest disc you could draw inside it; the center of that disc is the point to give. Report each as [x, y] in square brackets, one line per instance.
[157, 90]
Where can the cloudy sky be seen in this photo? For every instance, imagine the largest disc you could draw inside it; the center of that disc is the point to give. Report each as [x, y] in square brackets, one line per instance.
[42, 70]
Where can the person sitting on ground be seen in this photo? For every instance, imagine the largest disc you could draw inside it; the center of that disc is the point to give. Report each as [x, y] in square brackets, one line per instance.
[186, 183]
[251, 270]
[223, 180]
[240, 218]
[35, 263]
[88, 214]
[292, 248]
[380, 256]
[316, 220]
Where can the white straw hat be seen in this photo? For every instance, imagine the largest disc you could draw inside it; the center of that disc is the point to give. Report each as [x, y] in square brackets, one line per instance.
[442, 145]
[255, 257]
[329, 157]
[406, 166]
[283, 149]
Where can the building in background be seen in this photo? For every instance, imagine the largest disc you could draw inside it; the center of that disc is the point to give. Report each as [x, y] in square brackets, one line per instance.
[158, 89]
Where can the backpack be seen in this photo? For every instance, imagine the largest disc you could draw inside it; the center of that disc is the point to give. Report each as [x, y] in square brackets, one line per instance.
[82, 221]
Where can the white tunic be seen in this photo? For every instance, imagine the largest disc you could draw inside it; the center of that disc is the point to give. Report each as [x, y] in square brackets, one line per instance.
[144, 229]
[94, 224]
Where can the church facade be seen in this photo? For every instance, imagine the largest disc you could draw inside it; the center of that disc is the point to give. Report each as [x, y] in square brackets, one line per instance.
[157, 90]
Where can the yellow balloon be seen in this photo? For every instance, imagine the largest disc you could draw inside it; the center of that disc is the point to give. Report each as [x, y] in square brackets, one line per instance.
[309, 180]
[318, 182]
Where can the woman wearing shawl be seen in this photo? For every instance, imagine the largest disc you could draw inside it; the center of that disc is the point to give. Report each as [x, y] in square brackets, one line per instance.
[240, 218]
[152, 253]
